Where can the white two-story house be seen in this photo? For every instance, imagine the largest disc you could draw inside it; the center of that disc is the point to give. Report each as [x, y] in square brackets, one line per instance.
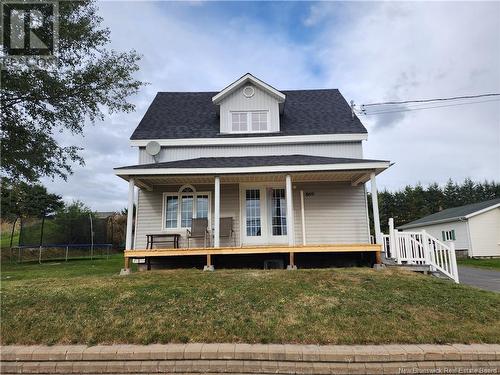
[250, 170]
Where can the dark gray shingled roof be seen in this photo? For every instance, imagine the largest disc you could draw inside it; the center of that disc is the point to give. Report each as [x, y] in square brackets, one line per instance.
[249, 161]
[175, 115]
[451, 214]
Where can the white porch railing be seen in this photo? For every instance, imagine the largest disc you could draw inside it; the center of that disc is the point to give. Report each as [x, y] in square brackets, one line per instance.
[420, 248]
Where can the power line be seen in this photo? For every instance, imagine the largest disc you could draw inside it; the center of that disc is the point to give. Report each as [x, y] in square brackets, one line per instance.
[364, 113]
[431, 100]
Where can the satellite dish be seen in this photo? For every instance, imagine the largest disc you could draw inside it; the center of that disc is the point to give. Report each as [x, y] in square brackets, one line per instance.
[153, 148]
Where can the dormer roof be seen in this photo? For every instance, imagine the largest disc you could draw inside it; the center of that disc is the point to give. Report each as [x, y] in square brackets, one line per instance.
[245, 80]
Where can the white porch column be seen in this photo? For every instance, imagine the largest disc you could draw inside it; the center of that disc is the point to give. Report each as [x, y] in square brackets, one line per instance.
[289, 211]
[376, 217]
[217, 212]
[130, 214]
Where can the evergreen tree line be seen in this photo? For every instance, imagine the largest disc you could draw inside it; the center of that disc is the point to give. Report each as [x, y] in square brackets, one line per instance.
[414, 202]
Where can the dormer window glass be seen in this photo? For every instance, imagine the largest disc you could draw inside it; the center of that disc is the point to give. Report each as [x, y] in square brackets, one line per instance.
[249, 121]
[259, 121]
[239, 122]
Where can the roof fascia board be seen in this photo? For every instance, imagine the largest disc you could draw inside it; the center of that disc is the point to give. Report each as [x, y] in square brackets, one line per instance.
[482, 211]
[247, 77]
[377, 166]
[287, 139]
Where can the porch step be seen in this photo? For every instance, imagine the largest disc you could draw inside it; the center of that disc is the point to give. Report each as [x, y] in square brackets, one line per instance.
[411, 267]
[391, 263]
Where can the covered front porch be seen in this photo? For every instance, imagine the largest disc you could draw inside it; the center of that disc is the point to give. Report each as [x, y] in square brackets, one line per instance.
[291, 208]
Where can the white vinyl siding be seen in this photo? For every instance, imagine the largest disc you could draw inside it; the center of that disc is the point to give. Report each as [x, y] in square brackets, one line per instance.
[485, 234]
[337, 149]
[334, 213]
[459, 229]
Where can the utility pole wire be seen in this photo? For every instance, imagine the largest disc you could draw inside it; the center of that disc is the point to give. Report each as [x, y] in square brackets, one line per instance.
[364, 113]
[431, 100]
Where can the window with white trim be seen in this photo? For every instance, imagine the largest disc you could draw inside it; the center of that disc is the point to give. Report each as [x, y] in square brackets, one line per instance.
[448, 235]
[239, 122]
[249, 121]
[180, 208]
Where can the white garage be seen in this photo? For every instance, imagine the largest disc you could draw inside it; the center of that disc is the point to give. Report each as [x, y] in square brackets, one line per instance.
[475, 228]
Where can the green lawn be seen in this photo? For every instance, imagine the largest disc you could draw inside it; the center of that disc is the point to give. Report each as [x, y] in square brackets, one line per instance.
[493, 264]
[87, 302]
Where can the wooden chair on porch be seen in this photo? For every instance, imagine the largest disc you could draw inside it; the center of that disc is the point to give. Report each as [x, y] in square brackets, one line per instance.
[226, 229]
[199, 229]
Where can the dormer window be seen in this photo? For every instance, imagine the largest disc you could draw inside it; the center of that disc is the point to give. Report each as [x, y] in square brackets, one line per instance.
[239, 122]
[249, 121]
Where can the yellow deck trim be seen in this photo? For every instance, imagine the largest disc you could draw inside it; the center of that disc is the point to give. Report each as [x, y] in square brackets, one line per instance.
[141, 253]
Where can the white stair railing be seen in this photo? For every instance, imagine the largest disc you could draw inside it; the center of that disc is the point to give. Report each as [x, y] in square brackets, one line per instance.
[420, 248]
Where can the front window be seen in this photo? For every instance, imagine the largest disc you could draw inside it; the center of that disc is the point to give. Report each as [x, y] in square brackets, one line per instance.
[253, 212]
[171, 211]
[251, 121]
[202, 206]
[279, 212]
[180, 208]
[186, 211]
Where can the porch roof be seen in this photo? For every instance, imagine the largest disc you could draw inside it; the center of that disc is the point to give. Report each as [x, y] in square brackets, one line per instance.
[355, 170]
[207, 165]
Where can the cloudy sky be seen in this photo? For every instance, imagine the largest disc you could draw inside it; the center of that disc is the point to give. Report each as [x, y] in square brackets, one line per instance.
[372, 52]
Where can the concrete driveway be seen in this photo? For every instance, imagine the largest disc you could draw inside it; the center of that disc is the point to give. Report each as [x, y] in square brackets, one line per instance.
[480, 278]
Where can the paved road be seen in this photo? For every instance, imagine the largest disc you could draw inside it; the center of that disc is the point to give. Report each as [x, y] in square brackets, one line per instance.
[480, 278]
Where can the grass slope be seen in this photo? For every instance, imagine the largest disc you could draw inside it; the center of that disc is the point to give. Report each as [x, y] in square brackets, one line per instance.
[87, 302]
[492, 264]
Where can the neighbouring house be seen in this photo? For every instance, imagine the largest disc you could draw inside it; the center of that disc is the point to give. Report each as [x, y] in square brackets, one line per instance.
[474, 228]
[271, 176]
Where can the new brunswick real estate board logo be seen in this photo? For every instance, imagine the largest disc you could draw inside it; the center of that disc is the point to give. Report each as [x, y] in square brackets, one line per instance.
[29, 33]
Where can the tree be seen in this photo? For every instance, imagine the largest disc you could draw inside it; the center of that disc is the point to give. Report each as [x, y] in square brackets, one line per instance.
[22, 200]
[85, 80]
[451, 194]
[73, 223]
[412, 203]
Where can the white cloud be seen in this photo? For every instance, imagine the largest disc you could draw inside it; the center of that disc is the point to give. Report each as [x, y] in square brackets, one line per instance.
[371, 51]
[421, 50]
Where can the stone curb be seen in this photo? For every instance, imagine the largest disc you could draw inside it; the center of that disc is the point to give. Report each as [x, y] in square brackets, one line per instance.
[248, 358]
[265, 352]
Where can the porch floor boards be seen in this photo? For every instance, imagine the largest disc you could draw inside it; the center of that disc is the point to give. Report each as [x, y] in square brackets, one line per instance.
[357, 247]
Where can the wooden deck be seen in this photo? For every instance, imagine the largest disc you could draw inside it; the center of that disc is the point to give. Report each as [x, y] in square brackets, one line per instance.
[269, 249]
